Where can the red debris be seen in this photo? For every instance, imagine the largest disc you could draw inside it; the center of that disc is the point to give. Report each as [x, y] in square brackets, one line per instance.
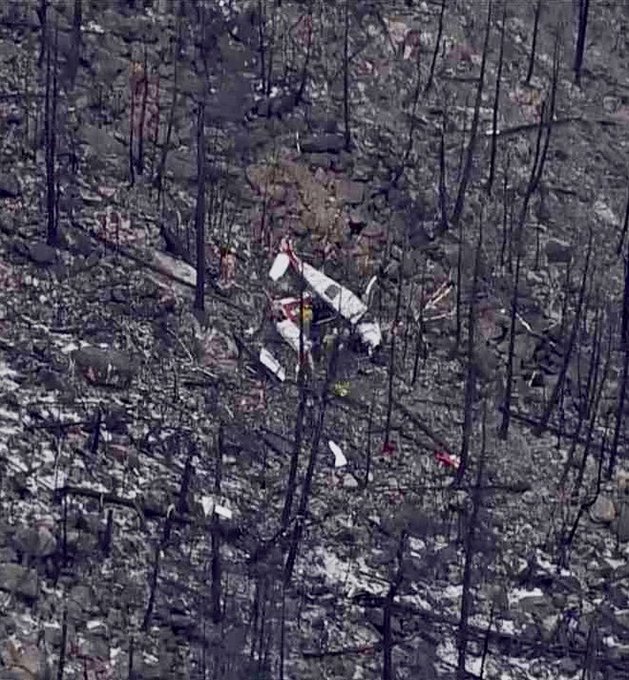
[388, 448]
[447, 459]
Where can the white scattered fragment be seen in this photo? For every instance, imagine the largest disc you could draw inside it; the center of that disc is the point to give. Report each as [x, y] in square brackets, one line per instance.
[370, 285]
[92, 27]
[5, 414]
[211, 506]
[339, 456]
[95, 623]
[222, 511]
[268, 360]
[279, 267]
[179, 269]
[518, 594]
[72, 346]
[290, 333]
[6, 372]
[340, 298]
[370, 334]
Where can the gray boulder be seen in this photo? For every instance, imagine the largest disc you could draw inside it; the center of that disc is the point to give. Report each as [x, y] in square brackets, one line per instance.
[105, 367]
[19, 580]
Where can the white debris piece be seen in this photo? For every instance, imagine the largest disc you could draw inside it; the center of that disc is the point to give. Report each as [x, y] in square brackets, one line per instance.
[179, 269]
[346, 303]
[370, 285]
[279, 267]
[290, 333]
[339, 456]
[268, 360]
[370, 334]
[222, 511]
[211, 506]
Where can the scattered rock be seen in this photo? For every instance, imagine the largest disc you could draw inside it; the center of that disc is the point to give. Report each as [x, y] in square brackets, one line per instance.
[41, 253]
[603, 511]
[350, 482]
[9, 186]
[622, 481]
[557, 251]
[101, 142]
[349, 192]
[19, 580]
[23, 661]
[105, 367]
[622, 618]
[568, 665]
[623, 523]
[325, 143]
[35, 541]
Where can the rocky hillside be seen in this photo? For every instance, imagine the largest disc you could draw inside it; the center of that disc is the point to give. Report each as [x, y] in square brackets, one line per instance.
[168, 507]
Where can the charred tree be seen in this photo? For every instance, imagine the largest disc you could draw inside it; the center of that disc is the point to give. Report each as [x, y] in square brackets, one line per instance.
[622, 387]
[625, 227]
[584, 6]
[387, 611]
[469, 548]
[394, 332]
[312, 461]
[299, 422]
[261, 19]
[494, 122]
[443, 189]
[199, 219]
[50, 134]
[142, 123]
[412, 125]
[471, 377]
[159, 175]
[346, 111]
[503, 432]
[299, 95]
[64, 643]
[471, 147]
[75, 50]
[435, 53]
[216, 567]
[559, 384]
[42, 15]
[538, 11]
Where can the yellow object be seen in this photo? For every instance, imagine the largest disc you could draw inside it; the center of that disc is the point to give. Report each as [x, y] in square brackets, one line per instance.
[341, 388]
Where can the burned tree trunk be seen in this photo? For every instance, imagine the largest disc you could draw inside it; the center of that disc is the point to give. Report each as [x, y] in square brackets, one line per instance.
[159, 175]
[622, 395]
[216, 567]
[73, 59]
[42, 15]
[199, 219]
[503, 433]
[470, 380]
[394, 332]
[314, 452]
[584, 6]
[538, 10]
[387, 611]
[494, 123]
[435, 53]
[299, 422]
[50, 132]
[554, 397]
[471, 147]
[346, 112]
[466, 595]
[142, 122]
